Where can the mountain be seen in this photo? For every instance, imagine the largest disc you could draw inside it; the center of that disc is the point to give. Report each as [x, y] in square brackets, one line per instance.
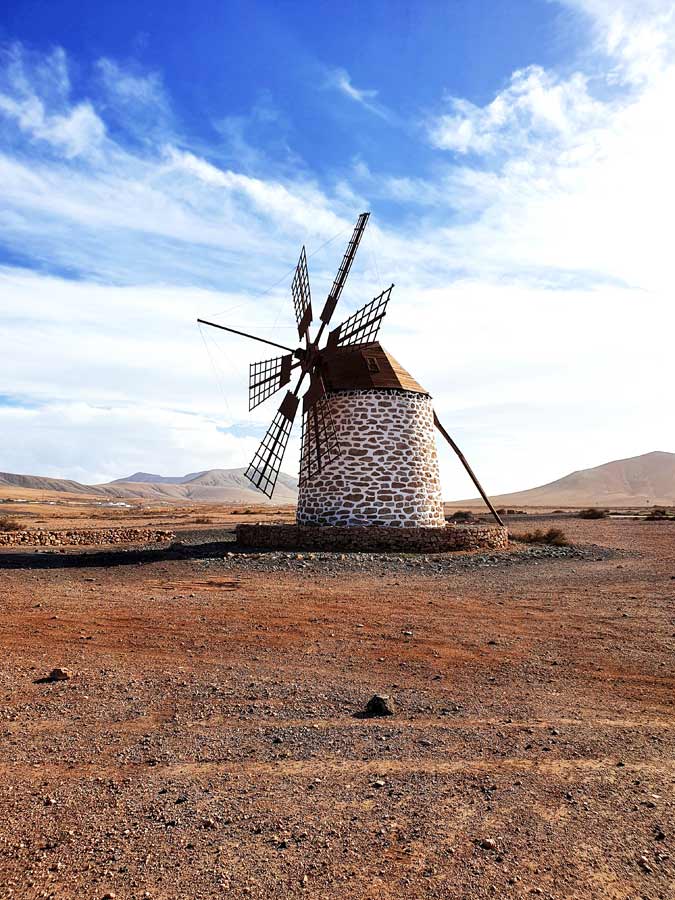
[148, 478]
[647, 480]
[213, 486]
[40, 483]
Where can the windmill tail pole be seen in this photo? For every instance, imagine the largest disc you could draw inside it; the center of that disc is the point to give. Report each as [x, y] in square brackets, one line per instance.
[468, 468]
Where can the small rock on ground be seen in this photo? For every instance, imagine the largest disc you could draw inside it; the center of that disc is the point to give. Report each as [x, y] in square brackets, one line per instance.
[379, 705]
[60, 674]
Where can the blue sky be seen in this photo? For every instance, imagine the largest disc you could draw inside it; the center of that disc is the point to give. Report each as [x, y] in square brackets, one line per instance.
[164, 161]
[223, 61]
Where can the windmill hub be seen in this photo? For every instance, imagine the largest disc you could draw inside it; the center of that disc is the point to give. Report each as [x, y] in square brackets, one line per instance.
[368, 453]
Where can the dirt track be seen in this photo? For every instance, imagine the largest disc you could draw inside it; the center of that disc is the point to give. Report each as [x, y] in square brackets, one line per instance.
[207, 743]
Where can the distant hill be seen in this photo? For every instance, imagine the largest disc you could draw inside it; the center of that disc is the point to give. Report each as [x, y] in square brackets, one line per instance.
[213, 486]
[647, 480]
[40, 483]
[149, 478]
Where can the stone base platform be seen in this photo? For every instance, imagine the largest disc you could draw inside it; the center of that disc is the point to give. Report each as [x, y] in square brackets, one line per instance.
[374, 537]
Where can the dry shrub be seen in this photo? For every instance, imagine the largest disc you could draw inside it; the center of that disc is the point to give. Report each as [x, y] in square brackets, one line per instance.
[555, 537]
[203, 520]
[657, 514]
[7, 524]
[593, 513]
[462, 516]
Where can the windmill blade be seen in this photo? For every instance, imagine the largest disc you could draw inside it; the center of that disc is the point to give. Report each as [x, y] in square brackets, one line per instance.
[266, 377]
[263, 470]
[320, 444]
[302, 296]
[363, 326]
[345, 266]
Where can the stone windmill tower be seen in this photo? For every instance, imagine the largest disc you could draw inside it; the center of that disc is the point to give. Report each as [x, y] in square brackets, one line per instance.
[368, 453]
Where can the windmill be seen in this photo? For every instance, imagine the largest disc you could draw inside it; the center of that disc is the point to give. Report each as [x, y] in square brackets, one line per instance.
[356, 392]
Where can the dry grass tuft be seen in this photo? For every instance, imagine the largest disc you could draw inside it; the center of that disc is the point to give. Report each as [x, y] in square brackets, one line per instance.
[7, 524]
[555, 537]
[593, 512]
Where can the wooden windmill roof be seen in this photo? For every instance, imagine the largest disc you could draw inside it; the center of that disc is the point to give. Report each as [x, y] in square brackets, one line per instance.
[365, 367]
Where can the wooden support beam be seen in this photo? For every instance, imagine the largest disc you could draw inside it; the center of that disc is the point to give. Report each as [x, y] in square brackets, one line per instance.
[468, 468]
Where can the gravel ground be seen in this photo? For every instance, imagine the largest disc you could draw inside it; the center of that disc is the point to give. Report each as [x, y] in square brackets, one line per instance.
[207, 742]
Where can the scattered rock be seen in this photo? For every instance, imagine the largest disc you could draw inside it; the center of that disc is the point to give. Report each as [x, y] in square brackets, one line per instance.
[488, 844]
[60, 674]
[379, 705]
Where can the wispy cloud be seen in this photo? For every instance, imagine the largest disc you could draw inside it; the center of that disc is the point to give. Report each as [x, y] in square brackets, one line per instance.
[340, 79]
[136, 102]
[34, 96]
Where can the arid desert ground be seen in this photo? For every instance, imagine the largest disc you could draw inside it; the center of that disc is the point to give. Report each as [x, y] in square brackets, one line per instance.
[208, 742]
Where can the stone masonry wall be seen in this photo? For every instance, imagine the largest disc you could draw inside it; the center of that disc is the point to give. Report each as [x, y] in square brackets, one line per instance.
[368, 538]
[84, 537]
[387, 472]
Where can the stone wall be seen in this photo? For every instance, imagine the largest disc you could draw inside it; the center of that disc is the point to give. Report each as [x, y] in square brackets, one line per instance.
[387, 472]
[76, 537]
[365, 539]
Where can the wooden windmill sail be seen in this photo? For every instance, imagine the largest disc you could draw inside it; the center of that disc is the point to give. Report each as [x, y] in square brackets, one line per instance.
[350, 361]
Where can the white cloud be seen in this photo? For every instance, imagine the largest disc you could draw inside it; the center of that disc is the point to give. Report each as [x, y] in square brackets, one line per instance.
[562, 184]
[638, 36]
[341, 80]
[146, 90]
[535, 106]
[108, 380]
[76, 130]
[120, 440]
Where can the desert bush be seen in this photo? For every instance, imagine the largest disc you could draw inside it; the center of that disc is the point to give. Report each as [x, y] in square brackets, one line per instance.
[7, 524]
[658, 513]
[203, 520]
[461, 516]
[593, 512]
[556, 537]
